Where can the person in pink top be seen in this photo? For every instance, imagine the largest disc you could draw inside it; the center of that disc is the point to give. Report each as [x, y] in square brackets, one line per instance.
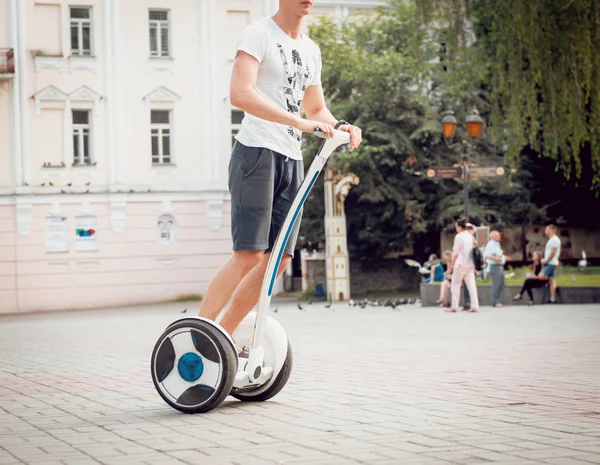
[462, 267]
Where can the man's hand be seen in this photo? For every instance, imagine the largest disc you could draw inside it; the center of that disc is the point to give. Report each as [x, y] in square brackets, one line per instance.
[306, 125]
[355, 135]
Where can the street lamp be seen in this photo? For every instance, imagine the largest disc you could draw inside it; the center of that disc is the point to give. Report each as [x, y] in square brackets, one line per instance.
[449, 124]
[474, 124]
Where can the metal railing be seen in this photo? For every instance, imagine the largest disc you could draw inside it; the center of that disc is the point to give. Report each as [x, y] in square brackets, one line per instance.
[7, 61]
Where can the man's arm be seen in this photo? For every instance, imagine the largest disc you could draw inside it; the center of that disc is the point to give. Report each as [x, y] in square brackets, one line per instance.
[316, 109]
[244, 96]
[451, 266]
[455, 251]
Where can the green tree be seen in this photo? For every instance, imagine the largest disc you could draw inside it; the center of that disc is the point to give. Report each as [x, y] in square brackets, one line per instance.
[540, 61]
[384, 74]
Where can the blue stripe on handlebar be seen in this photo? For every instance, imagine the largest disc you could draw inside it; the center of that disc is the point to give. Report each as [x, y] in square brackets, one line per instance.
[289, 231]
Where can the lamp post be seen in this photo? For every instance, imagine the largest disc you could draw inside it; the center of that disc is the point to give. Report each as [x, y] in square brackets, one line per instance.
[474, 124]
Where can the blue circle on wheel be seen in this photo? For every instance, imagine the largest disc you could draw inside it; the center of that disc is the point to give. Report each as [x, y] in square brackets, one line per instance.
[190, 366]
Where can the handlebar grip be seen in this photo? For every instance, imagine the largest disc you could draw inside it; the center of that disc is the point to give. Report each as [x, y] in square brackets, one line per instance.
[319, 133]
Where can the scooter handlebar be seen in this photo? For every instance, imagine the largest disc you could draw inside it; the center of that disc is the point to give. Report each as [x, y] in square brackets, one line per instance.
[342, 137]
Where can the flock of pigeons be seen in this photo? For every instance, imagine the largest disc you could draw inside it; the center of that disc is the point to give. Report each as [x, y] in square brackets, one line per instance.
[393, 303]
[383, 303]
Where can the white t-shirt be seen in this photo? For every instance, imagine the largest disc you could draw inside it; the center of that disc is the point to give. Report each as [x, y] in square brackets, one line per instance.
[287, 68]
[553, 242]
[463, 249]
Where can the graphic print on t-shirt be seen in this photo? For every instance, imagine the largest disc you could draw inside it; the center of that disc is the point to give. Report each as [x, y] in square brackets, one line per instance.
[294, 85]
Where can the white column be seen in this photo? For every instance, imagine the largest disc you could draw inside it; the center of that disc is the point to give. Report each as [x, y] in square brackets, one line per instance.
[15, 110]
[116, 115]
[206, 106]
[68, 155]
[214, 93]
[109, 96]
[21, 70]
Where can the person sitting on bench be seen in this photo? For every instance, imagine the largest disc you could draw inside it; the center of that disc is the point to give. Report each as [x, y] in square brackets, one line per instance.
[533, 282]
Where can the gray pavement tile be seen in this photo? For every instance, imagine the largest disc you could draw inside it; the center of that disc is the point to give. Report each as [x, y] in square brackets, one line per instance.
[586, 457]
[549, 453]
[569, 461]
[506, 387]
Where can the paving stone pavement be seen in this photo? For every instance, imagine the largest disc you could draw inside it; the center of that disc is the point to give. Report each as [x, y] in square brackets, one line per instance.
[512, 386]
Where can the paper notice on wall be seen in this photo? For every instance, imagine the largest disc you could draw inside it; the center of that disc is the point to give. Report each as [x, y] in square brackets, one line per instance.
[86, 234]
[57, 234]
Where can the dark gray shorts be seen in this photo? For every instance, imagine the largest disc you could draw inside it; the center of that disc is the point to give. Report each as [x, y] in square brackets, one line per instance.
[263, 184]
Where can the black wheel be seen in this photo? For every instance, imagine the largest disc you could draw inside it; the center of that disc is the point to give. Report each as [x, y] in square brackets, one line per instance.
[280, 381]
[193, 366]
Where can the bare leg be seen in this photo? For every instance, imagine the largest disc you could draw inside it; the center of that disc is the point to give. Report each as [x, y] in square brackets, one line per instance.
[247, 293]
[542, 277]
[472, 287]
[457, 280]
[552, 285]
[445, 287]
[227, 279]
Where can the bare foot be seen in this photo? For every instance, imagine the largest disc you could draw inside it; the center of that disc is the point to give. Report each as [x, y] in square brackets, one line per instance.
[517, 297]
[473, 310]
[450, 310]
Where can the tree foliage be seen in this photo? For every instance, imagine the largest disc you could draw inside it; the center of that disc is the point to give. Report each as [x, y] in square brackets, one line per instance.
[541, 62]
[384, 74]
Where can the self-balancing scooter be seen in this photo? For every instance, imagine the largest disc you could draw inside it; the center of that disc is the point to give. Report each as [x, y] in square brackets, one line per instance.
[195, 365]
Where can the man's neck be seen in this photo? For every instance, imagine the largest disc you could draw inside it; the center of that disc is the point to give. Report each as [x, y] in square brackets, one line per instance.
[291, 25]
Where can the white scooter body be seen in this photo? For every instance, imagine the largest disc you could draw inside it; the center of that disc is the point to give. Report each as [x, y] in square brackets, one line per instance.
[269, 341]
[193, 362]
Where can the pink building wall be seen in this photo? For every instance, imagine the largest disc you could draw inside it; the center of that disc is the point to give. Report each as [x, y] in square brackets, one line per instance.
[130, 267]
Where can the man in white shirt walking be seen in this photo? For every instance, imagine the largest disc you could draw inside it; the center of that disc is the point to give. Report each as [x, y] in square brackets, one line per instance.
[550, 260]
[495, 259]
[277, 71]
[463, 267]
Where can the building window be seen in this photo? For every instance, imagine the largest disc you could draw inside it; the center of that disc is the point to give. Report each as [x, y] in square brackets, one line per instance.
[81, 31]
[160, 135]
[159, 33]
[81, 137]
[236, 123]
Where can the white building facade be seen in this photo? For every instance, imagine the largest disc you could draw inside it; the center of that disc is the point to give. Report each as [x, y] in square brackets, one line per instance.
[115, 133]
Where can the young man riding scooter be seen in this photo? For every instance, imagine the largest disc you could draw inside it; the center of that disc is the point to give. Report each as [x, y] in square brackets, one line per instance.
[277, 71]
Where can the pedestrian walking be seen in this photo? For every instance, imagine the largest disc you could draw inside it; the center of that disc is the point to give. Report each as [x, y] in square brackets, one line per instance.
[495, 259]
[463, 267]
[466, 301]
